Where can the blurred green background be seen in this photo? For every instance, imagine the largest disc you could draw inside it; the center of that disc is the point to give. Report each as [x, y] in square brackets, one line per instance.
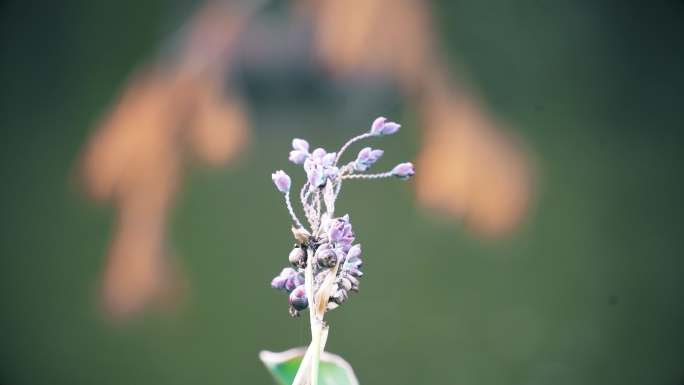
[588, 291]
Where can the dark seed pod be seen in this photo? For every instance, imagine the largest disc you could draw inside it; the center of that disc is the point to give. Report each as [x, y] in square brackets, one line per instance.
[353, 280]
[345, 283]
[298, 298]
[299, 279]
[290, 284]
[297, 257]
[326, 258]
[340, 296]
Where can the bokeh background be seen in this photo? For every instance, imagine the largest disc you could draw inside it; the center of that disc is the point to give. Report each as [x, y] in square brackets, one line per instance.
[584, 288]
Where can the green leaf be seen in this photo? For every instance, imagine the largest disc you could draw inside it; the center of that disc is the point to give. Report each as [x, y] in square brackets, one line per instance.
[333, 369]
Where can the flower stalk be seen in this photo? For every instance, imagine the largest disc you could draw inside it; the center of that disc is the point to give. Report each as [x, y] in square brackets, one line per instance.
[326, 264]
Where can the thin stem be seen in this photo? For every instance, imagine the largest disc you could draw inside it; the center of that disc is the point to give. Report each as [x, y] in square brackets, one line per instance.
[304, 370]
[304, 193]
[291, 211]
[315, 323]
[387, 174]
[317, 205]
[316, 331]
[349, 143]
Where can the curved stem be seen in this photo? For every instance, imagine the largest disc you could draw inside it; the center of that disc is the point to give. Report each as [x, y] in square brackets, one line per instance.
[315, 323]
[291, 211]
[349, 143]
[316, 331]
[369, 176]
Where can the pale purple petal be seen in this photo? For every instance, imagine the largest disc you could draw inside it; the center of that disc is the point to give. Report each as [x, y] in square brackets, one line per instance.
[298, 157]
[403, 170]
[282, 181]
[332, 172]
[364, 154]
[279, 282]
[376, 154]
[335, 234]
[318, 153]
[315, 177]
[290, 283]
[378, 124]
[354, 252]
[390, 128]
[328, 159]
[301, 145]
[366, 158]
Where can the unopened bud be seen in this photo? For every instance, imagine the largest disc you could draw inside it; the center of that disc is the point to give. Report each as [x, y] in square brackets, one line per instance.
[354, 282]
[340, 296]
[297, 257]
[282, 181]
[403, 170]
[326, 258]
[345, 283]
[298, 298]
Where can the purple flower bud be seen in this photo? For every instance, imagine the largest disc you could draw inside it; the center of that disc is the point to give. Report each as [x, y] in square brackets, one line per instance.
[381, 126]
[290, 283]
[353, 260]
[326, 258]
[352, 263]
[301, 145]
[315, 177]
[328, 159]
[340, 232]
[366, 158]
[364, 154]
[354, 252]
[335, 233]
[332, 172]
[403, 170]
[297, 257]
[282, 181]
[278, 282]
[318, 153]
[390, 128]
[354, 282]
[298, 298]
[378, 124]
[299, 279]
[298, 157]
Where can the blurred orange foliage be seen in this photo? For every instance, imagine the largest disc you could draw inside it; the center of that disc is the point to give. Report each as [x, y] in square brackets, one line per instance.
[134, 158]
[469, 166]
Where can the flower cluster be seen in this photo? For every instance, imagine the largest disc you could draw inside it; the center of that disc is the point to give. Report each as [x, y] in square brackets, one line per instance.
[326, 263]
